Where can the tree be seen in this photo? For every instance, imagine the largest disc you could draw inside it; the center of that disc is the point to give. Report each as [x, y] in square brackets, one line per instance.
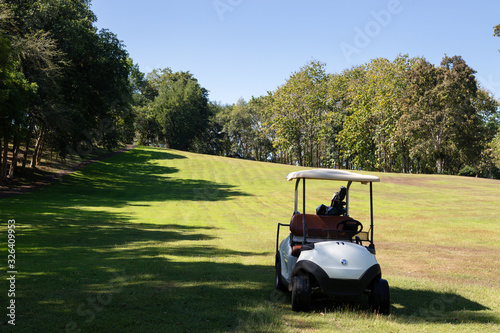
[297, 113]
[213, 140]
[440, 115]
[476, 153]
[15, 94]
[369, 137]
[495, 150]
[16, 91]
[181, 109]
[494, 145]
[262, 145]
[236, 123]
[243, 126]
[337, 104]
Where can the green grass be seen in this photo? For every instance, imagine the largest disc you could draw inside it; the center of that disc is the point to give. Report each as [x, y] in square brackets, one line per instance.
[157, 240]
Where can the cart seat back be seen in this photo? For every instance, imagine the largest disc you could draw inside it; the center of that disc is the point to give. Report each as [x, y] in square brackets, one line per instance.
[321, 226]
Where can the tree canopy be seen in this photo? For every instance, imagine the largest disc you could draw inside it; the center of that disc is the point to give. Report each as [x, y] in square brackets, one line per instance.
[175, 111]
[68, 84]
[404, 115]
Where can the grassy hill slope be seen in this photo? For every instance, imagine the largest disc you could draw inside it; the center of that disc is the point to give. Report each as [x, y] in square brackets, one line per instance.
[160, 240]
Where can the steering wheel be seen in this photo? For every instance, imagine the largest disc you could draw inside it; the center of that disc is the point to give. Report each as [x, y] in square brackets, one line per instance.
[350, 226]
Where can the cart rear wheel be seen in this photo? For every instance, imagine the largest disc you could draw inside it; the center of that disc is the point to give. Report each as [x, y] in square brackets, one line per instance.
[301, 293]
[380, 297]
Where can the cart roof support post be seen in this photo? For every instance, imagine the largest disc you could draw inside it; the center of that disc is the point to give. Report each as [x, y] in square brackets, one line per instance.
[347, 198]
[371, 213]
[304, 209]
[296, 209]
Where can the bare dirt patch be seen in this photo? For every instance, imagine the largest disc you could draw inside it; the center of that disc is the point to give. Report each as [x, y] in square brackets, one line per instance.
[8, 191]
[447, 264]
[439, 181]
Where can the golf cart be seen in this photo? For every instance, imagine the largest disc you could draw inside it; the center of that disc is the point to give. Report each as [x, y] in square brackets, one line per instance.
[329, 252]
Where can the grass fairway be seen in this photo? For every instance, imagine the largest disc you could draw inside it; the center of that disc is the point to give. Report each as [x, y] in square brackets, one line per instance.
[157, 240]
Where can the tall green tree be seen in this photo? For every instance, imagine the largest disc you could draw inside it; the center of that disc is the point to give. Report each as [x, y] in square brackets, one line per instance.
[486, 107]
[181, 109]
[213, 139]
[242, 124]
[495, 151]
[297, 114]
[15, 95]
[17, 91]
[337, 104]
[369, 136]
[441, 116]
[237, 125]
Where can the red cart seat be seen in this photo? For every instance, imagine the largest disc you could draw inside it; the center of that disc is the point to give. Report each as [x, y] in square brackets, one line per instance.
[321, 226]
[317, 226]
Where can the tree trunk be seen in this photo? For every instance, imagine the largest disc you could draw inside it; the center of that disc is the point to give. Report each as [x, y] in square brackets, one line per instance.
[28, 143]
[40, 152]
[36, 151]
[15, 151]
[3, 168]
[1, 159]
[440, 165]
[299, 154]
[318, 154]
[405, 158]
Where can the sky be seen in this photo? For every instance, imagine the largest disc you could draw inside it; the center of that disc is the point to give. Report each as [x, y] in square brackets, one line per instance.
[244, 48]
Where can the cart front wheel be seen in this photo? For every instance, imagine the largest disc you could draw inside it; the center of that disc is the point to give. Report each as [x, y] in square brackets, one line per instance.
[301, 293]
[380, 298]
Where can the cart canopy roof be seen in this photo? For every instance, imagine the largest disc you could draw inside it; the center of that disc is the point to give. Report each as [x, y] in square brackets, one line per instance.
[332, 174]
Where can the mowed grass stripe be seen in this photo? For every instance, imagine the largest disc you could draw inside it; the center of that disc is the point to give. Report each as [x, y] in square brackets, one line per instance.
[163, 240]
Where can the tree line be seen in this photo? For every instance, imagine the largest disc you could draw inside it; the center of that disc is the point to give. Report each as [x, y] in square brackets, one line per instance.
[67, 87]
[405, 115]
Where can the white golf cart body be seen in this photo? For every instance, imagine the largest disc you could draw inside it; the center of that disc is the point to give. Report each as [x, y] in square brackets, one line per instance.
[325, 253]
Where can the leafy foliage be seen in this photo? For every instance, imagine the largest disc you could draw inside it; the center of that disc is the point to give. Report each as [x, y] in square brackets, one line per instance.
[298, 114]
[81, 75]
[173, 109]
[405, 115]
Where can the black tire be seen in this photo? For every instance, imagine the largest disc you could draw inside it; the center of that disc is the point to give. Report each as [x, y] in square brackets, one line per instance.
[380, 297]
[278, 280]
[301, 293]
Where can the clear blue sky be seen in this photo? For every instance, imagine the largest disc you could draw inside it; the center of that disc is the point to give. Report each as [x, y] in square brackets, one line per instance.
[244, 48]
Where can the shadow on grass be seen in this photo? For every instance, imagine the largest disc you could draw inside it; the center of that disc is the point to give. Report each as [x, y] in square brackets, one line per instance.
[432, 306]
[86, 270]
[89, 275]
[137, 176]
[410, 306]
